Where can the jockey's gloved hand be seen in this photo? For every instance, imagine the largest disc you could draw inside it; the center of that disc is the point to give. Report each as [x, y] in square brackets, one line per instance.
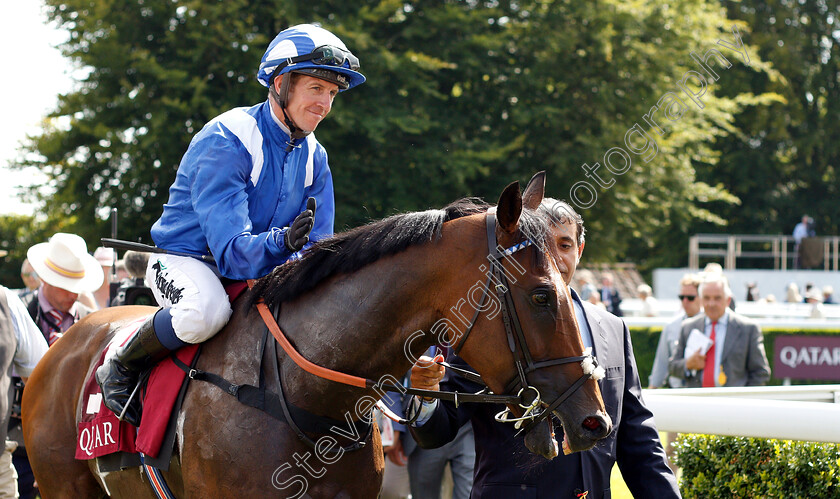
[297, 235]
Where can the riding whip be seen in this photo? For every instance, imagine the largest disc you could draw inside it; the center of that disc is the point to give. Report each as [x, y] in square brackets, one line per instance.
[145, 248]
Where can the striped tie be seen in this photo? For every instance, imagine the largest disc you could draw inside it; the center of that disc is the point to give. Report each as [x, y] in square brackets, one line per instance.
[57, 318]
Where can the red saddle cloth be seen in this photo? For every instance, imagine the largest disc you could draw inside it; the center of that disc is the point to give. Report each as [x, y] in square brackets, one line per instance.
[99, 430]
[101, 433]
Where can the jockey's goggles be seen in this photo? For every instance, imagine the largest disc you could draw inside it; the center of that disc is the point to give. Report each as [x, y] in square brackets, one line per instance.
[325, 55]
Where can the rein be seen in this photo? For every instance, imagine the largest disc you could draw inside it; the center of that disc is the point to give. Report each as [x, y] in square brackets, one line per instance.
[349, 379]
[528, 397]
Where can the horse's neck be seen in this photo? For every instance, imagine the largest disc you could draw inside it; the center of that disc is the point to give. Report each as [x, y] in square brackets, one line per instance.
[376, 321]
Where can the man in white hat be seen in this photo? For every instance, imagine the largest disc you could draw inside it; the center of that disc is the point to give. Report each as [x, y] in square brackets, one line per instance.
[66, 269]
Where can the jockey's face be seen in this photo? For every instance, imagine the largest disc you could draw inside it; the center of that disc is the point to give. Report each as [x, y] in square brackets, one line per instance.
[59, 298]
[310, 100]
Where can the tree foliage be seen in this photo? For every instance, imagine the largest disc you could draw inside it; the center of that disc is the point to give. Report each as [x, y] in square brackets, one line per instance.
[462, 98]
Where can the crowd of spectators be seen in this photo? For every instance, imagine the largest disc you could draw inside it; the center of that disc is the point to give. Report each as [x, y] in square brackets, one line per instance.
[62, 282]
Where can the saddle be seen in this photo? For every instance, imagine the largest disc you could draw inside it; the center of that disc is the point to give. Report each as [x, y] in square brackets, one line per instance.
[100, 433]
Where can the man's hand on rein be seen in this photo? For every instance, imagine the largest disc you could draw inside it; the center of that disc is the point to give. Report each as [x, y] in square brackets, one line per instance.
[426, 375]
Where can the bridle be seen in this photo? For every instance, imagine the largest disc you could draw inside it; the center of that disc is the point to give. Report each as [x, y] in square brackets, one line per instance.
[527, 397]
[530, 398]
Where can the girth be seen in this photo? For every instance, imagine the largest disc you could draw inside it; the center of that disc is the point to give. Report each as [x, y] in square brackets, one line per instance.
[276, 405]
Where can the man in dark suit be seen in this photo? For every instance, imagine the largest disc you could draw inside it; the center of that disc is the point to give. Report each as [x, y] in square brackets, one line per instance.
[506, 469]
[610, 296]
[736, 356]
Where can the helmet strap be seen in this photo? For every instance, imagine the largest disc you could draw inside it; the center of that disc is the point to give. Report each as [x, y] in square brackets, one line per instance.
[282, 97]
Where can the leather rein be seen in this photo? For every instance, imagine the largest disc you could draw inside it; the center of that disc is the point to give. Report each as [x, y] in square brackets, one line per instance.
[528, 397]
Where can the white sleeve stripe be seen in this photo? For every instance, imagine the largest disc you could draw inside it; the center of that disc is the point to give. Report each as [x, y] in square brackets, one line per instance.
[311, 144]
[244, 126]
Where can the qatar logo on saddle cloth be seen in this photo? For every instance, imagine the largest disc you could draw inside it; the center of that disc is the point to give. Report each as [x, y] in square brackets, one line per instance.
[100, 432]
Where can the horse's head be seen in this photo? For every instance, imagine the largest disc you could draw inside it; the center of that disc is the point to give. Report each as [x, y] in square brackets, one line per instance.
[533, 326]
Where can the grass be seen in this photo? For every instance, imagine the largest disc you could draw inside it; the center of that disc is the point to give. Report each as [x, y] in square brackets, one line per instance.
[618, 488]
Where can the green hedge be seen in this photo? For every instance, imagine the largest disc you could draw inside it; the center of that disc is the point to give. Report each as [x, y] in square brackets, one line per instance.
[738, 467]
[645, 340]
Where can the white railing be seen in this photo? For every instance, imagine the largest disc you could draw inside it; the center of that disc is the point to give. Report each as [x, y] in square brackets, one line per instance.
[766, 314]
[807, 413]
[778, 248]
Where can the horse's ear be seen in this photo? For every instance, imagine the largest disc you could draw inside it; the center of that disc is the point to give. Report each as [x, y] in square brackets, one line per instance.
[509, 208]
[534, 191]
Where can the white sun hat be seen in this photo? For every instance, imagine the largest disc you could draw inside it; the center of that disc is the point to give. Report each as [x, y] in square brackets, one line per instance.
[64, 262]
[105, 256]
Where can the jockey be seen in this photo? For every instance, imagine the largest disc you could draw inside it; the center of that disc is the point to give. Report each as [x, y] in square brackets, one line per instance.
[245, 193]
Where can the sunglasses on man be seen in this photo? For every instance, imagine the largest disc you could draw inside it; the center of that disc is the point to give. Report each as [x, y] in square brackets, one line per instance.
[687, 297]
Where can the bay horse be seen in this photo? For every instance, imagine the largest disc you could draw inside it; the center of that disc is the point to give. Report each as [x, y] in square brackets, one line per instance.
[365, 303]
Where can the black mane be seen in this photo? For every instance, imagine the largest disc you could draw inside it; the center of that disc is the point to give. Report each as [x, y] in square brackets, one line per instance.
[349, 251]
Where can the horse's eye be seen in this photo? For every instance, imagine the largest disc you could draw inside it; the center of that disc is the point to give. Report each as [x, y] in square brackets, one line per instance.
[540, 298]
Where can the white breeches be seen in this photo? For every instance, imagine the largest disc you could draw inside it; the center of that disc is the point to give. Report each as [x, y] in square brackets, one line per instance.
[199, 304]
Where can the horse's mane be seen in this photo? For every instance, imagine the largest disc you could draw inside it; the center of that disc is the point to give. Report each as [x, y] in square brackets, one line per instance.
[349, 251]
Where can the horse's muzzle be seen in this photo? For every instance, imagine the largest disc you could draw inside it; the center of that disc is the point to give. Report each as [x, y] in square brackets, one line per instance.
[584, 436]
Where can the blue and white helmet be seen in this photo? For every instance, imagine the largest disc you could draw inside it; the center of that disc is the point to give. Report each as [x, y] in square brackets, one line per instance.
[311, 50]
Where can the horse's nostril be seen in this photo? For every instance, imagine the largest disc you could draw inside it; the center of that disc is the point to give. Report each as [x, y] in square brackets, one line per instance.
[591, 423]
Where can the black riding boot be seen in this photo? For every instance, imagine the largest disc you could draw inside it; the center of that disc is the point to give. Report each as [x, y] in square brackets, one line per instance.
[118, 376]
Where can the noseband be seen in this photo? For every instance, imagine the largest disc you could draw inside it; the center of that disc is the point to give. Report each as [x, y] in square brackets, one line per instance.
[529, 396]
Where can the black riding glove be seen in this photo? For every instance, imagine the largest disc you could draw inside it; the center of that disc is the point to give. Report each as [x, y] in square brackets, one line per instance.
[297, 235]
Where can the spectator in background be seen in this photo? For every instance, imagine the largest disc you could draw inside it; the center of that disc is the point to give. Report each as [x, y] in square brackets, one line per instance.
[122, 273]
[792, 293]
[714, 268]
[828, 291]
[670, 337]
[805, 228]
[752, 292]
[609, 295]
[801, 230]
[648, 308]
[736, 356]
[595, 299]
[395, 475]
[809, 287]
[585, 279]
[31, 282]
[107, 258]
[66, 270]
[132, 289]
[814, 298]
